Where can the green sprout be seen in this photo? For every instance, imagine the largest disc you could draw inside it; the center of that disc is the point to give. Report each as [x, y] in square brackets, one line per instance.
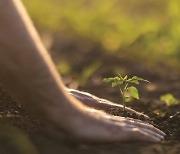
[127, 92]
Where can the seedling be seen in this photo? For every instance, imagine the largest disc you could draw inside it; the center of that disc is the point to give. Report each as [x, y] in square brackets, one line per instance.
[127, 92]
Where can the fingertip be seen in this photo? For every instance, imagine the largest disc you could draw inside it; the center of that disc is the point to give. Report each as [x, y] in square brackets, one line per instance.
[160, 132]
[155, 139]
[161, 137]
[164, 134]
[146, 117]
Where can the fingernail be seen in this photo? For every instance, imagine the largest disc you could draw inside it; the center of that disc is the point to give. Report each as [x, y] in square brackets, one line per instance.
[164, 134]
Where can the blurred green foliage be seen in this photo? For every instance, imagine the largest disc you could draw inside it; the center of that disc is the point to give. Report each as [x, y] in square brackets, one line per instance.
[150, 28]
[15, 141]
[89, 70]
[169, 99]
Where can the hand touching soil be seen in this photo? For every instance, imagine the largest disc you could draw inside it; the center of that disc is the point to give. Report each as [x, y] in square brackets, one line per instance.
[97, 126]
[101, 104]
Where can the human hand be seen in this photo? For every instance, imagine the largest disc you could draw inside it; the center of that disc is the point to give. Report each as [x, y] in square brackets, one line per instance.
[97, 126]
[88, 124]
[99, 103]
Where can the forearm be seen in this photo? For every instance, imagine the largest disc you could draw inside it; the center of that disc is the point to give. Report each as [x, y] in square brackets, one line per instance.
[26, 69]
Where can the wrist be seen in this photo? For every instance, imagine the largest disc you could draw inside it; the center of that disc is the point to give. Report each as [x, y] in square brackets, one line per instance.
[65, 116]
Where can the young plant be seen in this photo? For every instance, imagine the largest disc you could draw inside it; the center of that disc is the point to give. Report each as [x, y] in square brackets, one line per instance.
[123, 83]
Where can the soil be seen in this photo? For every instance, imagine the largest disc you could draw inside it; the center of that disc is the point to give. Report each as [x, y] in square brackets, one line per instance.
[22, 132]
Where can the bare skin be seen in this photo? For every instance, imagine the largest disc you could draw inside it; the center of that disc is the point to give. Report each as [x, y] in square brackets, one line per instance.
[28, 72]
[99, 103]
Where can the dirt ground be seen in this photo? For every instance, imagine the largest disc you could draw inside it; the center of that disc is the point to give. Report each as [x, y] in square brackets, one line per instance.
[21, 133]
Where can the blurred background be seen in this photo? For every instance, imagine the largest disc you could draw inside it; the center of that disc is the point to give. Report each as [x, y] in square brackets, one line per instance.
[91, 39]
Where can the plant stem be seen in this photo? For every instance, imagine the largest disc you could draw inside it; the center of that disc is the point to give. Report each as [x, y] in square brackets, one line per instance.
[124, 105]
[123, 98]
[123, 92]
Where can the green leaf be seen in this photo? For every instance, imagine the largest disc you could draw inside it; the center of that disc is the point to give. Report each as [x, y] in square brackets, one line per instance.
[139, 79]
[127, 99]
[114, 84]
[134, 92]
[120, 76]
[108, 80]
[117, 78]
[133, 81]
[125, 78]
[114, 81]
[120, 82]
